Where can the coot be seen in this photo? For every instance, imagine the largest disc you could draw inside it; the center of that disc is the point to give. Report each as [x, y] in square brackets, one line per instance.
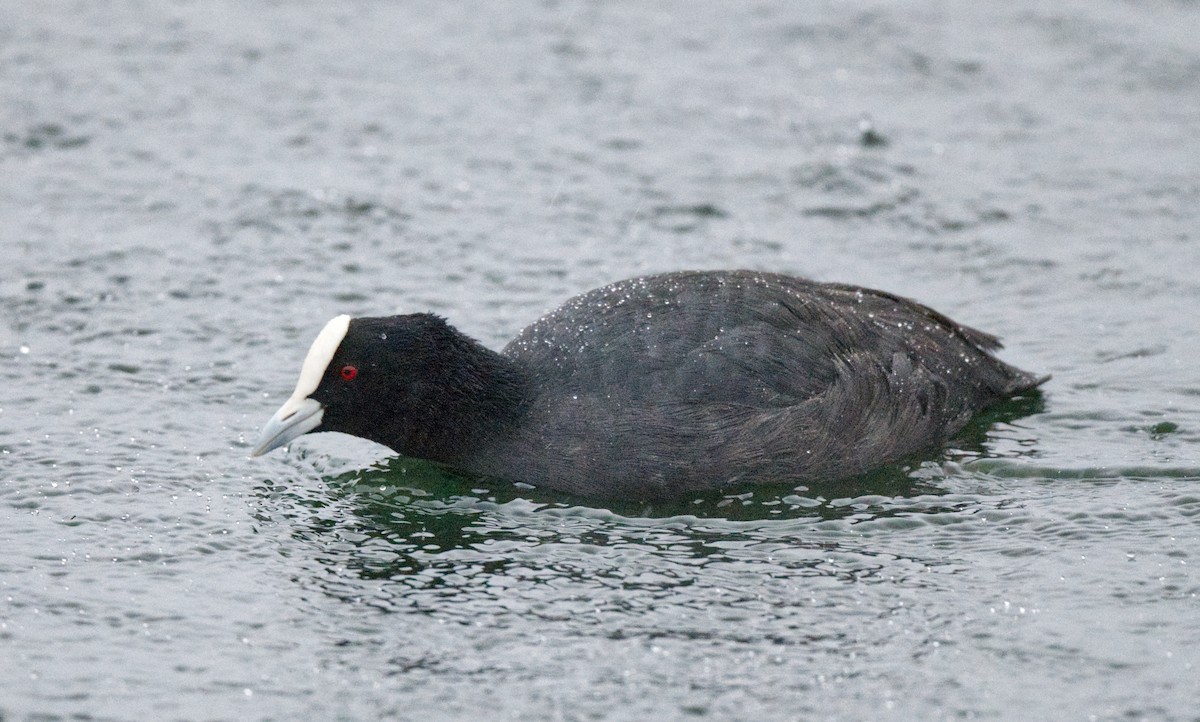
[660, 386]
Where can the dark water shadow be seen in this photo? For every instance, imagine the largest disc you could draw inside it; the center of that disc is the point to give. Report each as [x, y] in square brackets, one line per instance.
[409, 503]
[974, 441]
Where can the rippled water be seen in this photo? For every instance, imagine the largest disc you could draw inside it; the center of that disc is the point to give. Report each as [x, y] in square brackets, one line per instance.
[191, 189]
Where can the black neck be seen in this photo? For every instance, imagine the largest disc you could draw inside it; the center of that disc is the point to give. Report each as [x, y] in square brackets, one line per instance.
[466, 397]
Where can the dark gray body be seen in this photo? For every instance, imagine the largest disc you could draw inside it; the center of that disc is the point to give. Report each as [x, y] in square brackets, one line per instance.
[672, 384]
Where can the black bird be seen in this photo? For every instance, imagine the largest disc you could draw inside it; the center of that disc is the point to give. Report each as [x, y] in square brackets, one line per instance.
[660, 386]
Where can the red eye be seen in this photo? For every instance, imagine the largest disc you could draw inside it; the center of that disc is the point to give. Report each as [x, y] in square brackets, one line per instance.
[349, 372]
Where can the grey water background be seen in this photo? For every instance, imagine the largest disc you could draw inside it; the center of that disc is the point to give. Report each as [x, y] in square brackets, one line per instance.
[189, 190]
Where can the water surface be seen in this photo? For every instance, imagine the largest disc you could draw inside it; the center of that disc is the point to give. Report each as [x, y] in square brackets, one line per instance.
[192, 189]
